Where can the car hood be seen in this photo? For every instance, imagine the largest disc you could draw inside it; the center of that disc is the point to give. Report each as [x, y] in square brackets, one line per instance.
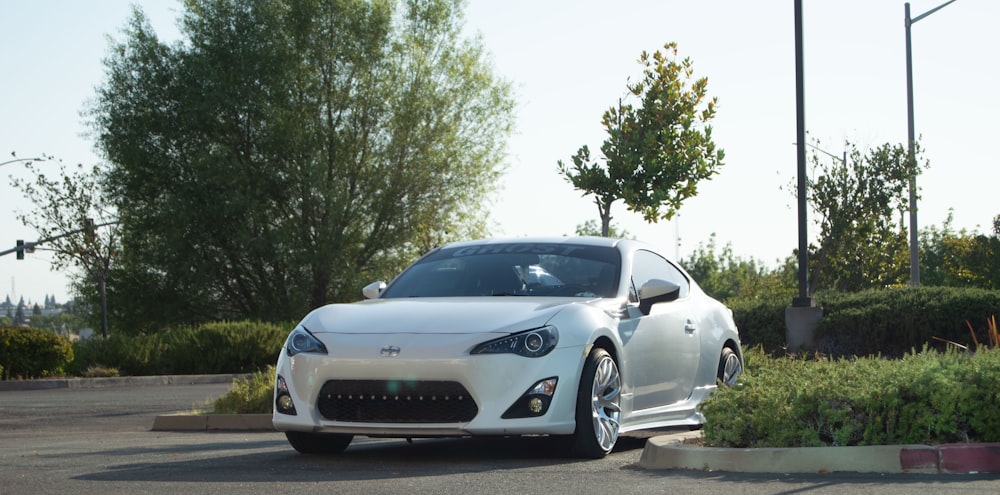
[437, 315]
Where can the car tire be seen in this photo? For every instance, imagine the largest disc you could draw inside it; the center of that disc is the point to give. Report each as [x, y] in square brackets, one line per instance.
[730, 367]
[318, 443]
[598, 406]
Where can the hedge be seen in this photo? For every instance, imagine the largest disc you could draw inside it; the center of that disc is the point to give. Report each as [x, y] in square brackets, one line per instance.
[32, 353]
[895, 321]
[887, 322]
[223, 347]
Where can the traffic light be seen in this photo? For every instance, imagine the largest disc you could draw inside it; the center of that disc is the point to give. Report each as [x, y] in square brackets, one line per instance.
[20, 249]
[89, 230]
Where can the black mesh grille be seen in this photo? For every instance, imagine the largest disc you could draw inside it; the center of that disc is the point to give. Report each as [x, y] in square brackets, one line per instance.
[396, 401]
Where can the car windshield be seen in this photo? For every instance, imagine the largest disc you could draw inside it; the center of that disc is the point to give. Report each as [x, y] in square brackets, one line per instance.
[514, 269]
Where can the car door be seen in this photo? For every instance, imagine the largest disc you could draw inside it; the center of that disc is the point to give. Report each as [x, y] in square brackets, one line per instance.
[663, 346]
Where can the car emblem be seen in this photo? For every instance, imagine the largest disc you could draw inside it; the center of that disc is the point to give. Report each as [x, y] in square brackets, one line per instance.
[390, 351]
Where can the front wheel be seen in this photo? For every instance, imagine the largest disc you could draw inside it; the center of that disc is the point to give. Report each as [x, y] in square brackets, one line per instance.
[730, 367]
[318, 443]
[598, 406]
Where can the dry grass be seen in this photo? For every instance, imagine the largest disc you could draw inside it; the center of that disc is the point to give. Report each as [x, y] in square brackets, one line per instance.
[991, 334]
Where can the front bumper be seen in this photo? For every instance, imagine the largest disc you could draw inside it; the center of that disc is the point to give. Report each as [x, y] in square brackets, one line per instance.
[493, 383]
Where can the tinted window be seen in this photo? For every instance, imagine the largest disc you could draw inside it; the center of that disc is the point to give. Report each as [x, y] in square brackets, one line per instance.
[517, 269]
[649, 265]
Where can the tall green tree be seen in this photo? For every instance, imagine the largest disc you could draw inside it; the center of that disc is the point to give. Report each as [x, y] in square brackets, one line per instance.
[19, 318]
[859, 208]
[287, 151]
[659, 143]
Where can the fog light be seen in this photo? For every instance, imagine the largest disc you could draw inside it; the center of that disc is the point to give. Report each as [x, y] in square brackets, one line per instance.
[283, 402]
[535, 401]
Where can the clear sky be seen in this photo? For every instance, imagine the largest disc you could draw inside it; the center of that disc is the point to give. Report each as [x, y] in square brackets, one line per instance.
[569, 60]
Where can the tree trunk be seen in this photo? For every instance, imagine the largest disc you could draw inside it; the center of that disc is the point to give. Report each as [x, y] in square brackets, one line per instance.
[102, 283]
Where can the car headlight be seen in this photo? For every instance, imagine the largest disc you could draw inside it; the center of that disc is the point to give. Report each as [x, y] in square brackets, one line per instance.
[533, 343]
[300, 340]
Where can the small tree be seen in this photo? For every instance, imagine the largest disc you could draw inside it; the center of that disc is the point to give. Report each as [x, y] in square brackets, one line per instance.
[960, 259]
[657, 150]
[590, 227]
[68, 212]
[861, 243]
[726, 276]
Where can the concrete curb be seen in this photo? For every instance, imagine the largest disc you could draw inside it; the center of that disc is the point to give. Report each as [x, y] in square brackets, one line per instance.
[669, 452]
[213, 422]
[119, 381]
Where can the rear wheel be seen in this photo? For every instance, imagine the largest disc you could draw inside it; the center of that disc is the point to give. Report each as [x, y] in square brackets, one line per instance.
[730, 367]
[318, 443]
[598, 406]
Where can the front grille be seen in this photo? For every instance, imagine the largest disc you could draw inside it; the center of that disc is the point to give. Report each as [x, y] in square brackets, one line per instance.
[396, 401]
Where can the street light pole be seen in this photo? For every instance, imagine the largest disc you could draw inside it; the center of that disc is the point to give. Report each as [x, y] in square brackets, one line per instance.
[803, 316]
[911, 143]
[804, 299]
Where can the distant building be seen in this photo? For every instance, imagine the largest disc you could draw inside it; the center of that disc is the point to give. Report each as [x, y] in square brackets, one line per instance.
[22, 312]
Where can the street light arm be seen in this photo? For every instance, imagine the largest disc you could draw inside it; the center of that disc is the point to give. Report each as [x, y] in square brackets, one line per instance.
[929, 12]
[827, 153]
[28, 245]
[32, 159]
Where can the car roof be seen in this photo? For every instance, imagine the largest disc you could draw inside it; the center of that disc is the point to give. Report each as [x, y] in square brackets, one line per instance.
[580, 240]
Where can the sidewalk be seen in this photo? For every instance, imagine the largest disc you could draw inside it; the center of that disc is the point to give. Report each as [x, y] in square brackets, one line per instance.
[118, 381]
[213, 422]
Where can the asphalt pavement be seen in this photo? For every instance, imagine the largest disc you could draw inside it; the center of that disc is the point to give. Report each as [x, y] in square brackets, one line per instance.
[667, 450]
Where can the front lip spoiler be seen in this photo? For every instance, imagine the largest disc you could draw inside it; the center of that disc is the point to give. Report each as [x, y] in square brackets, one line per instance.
[407, 431]
[522, 426]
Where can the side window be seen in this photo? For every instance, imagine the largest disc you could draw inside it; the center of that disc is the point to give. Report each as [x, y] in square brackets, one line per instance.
[649, 265]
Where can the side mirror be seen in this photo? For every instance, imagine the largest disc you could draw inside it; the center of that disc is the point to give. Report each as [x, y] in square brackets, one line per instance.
[372, 290]
[657, 291]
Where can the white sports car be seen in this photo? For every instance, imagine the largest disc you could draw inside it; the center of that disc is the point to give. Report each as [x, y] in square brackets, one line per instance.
[583, 337]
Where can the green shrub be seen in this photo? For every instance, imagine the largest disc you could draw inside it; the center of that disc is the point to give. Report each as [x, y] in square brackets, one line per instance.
[251, 395]
[33, 353]
[133, 355]
[224, 347]
[922, 398]
[100, 372]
